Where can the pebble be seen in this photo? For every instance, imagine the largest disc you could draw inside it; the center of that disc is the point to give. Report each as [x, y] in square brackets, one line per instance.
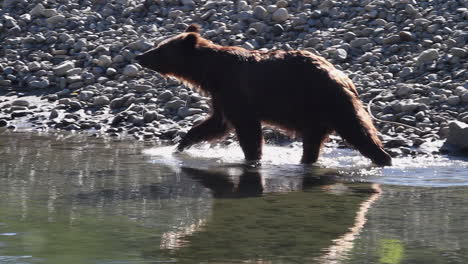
[3, 123]
[61, 69]
[54, 20]
[453, 100]
[42, 84]
[100, 100]
[260, 12]
[21, 102]
[131, 70]
[464, 97]
[341, 54]
[427, 56]
[359, 42]
[104, 61]
[280, 15]
[404, 90]
[458, 52]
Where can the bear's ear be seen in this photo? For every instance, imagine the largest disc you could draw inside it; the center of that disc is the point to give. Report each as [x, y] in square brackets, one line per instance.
[193, 28]
[190, 41]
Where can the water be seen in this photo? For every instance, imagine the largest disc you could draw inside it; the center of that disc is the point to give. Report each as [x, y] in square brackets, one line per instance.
[78, 199]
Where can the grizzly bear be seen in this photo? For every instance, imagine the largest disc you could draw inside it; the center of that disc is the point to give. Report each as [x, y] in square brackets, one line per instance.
[297, 91]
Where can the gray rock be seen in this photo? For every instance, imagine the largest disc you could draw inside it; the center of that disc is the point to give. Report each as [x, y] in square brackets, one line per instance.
[3, 123]
[136, 120]
[464, 97]
[117, 103]
[405, 72]
[260, 12]
[37, 10]
[55, 19]
[186, 111]
[17, 108]
[75, 105]
[104, 61]
[34, 66]
[458, 52]
[282, 3]
[131, 70]
[50, 12]
[410, 9]
[409, 106]
[100, 100]
[42, 84]
[85, 95]
[341, 54]
[21, 102]
[16, 114]
[61, 69]
[166, 95]
[260, 27]
[187, 2]
[54, 114]
[150, 116]
[277, 29]
[141, 45]
[404, 90]
[174, 104]
[427, 56]
[141, 88]
[359, 42]
[457, 136]
[453, 100]
[280, 15]
[394, 39]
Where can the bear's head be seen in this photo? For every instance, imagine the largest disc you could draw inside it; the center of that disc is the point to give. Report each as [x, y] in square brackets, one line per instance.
[171, 55]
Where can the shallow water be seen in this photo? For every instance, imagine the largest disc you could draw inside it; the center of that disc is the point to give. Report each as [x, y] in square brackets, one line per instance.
[80, 199]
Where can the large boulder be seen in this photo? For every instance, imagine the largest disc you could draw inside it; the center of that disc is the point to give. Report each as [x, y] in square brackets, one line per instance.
[457, 140]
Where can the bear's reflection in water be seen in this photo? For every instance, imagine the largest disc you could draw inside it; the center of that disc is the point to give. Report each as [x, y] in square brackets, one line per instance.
[311, 217]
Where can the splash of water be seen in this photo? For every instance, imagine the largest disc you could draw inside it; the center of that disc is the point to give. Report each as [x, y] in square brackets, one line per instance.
[431, 171]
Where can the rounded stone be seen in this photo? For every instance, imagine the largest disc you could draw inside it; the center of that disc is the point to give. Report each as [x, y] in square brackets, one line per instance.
[104, 61]
[453, 100]
[341, 54]
[260, 12]
[282, 3]
[464, 97]
[55, 19]
[21, 102]
[100, 100]
[280, 15]
[131, 70]
[3, 123]
[277, 29]
[427, 56]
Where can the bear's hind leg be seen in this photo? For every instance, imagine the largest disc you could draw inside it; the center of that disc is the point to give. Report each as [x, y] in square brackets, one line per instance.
[312, 141]
[358, 130]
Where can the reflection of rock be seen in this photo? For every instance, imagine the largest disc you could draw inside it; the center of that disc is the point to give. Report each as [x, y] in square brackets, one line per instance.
[457, 140]
[247, 223]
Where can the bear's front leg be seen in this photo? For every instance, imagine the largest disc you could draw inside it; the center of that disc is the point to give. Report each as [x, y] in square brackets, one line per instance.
[213, 127]
[249, 134]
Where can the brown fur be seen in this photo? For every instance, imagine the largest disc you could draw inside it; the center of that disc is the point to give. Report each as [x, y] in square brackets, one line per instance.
[295, 90]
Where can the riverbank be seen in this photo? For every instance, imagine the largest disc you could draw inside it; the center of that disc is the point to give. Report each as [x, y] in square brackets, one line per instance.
[69, 65]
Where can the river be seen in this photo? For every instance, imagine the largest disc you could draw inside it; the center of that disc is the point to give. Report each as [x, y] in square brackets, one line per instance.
[71, 198]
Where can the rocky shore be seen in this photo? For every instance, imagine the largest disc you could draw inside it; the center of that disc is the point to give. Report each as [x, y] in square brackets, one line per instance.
[70, 64]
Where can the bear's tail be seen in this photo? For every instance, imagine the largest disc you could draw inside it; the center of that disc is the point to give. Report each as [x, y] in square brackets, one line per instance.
[356, 127]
